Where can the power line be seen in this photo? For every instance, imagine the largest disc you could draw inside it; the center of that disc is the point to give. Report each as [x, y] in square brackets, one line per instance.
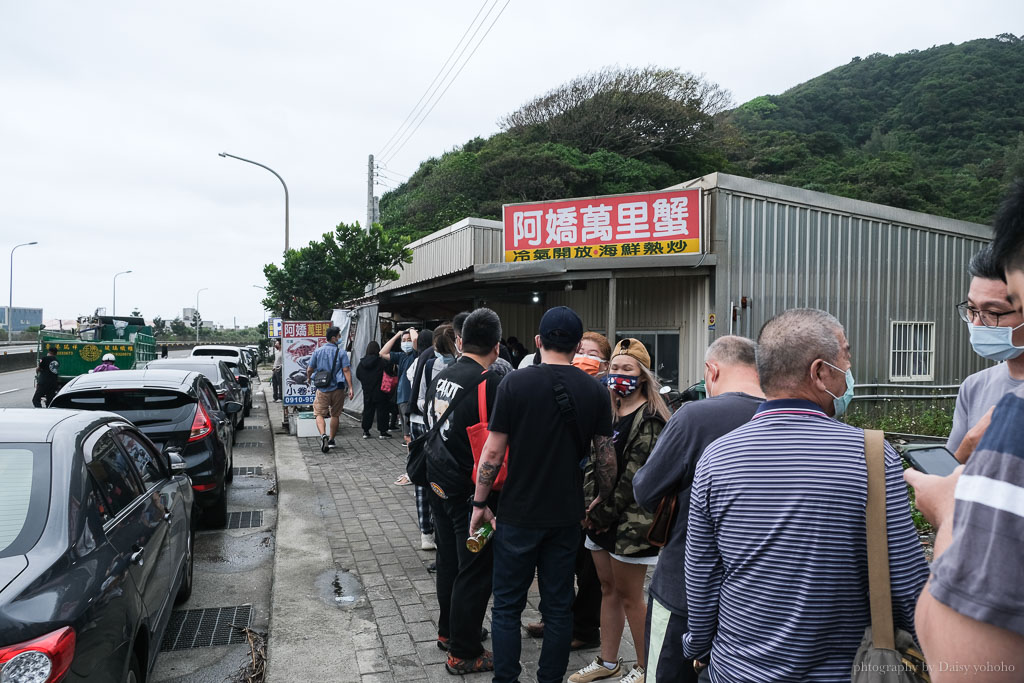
[408, 137]
[429, 87]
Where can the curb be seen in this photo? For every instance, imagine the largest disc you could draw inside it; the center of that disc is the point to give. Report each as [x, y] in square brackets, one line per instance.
[309, 639]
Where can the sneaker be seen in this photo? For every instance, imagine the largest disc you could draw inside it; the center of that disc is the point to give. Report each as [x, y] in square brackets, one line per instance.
[457, 666]
[323, 443]
[443, 643]
[331, 444]
[535, 629]
[367, 435]
[596, 671]
[635, 675]
[385, 435]
[427, 542]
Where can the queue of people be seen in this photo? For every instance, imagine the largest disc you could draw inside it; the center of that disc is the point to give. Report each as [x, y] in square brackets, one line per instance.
[564, 468]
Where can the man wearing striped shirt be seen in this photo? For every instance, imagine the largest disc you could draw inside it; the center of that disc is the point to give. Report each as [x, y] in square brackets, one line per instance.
[970, 617]
[776, 548]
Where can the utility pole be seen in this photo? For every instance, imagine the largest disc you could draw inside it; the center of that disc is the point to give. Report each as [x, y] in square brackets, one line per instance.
[370, 205]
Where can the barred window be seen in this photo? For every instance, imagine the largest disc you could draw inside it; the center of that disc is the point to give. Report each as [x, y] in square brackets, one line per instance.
[912, 355]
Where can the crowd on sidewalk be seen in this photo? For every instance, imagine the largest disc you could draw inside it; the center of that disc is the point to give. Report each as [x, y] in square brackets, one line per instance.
[751, 507]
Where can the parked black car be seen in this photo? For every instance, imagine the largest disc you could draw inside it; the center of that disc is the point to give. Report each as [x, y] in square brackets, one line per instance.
[217, 371]
[238, 369]
[179, 411]
[96, 546]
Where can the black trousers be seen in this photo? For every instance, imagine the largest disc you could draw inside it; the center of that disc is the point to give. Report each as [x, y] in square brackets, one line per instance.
[463, 577]
[275, 382]
[586, 607]
[375, 406]
[43, 391]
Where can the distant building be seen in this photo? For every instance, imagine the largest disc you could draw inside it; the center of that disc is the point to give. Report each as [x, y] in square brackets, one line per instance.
[22, 318]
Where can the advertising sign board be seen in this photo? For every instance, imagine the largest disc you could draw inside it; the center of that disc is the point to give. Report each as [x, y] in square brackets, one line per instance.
[299, 338]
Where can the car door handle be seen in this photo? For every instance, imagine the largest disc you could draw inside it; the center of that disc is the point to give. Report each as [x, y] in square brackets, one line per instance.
[168, 516]
[136, 557]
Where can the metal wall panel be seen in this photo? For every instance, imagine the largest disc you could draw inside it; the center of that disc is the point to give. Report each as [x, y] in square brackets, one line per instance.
[866, 272]
[452, 250]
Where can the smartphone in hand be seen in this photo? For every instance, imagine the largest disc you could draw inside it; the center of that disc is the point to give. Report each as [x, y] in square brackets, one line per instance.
[931, 460]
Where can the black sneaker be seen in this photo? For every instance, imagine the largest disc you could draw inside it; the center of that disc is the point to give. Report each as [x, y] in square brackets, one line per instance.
[457, 666]
[331, 444]
[367, 435]
[386, 435]
[323, 443]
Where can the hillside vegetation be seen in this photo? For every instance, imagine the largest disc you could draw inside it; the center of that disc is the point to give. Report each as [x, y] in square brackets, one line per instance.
[938, 130]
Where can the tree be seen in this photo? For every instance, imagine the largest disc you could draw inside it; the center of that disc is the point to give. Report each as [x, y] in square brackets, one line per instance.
[178, 327]
[158, 326]
[136, 313]
[316, 278]
[631, 111]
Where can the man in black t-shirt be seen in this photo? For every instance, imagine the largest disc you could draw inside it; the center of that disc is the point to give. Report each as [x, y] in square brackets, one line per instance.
[547, 415]
[463, 577]
[47, 371]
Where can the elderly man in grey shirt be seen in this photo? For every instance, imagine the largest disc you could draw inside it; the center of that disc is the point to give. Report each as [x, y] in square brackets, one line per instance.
[997, 333]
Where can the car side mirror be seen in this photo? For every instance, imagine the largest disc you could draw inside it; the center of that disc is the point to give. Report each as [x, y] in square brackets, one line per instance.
[174, 459]
[231, 407]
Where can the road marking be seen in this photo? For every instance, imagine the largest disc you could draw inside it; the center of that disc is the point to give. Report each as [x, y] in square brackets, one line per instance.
[9, 391]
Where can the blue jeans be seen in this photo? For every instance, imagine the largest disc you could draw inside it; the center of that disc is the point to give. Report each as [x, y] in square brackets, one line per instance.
[518, 551]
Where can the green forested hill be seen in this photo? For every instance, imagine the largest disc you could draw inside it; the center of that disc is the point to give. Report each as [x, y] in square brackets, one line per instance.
[938, 130]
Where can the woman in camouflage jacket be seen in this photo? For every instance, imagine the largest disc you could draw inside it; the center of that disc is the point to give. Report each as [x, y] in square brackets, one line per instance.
[617, 527]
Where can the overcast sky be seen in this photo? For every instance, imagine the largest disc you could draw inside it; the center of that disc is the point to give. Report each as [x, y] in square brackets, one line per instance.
[112, 115]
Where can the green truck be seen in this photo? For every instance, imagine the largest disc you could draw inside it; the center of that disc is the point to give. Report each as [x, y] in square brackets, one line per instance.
[130, 339]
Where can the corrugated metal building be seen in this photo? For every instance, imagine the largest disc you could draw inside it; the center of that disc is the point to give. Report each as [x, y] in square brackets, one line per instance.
[891, 276]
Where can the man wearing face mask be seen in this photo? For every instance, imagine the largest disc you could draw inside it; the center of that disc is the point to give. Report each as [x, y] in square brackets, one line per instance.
[776, 561]
[997, 333]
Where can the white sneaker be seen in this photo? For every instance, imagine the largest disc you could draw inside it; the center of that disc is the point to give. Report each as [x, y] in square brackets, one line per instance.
[427, 542]
[635, 675]
[595, 671]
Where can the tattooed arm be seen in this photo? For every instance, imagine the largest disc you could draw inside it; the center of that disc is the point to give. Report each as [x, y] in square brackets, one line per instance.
[605, 467]
[490, 463]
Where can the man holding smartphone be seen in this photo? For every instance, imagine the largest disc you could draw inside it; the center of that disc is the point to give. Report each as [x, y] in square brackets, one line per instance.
[997, 333]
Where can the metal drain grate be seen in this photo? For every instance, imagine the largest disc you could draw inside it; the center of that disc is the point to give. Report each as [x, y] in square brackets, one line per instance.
[206, 627]
[253, 427]
[249, 519]
[248, 471]
[248, 444]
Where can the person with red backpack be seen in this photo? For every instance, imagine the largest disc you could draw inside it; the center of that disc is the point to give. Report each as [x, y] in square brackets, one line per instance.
[459, 401]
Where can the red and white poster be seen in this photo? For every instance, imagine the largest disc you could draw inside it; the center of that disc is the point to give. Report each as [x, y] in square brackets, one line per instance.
[646, 224]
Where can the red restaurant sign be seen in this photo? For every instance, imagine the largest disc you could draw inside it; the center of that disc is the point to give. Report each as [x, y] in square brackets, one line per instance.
[648, 224]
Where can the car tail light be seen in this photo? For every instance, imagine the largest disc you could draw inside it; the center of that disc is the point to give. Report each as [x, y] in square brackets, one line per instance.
[201, 424]
[203, 487]
[42, 660]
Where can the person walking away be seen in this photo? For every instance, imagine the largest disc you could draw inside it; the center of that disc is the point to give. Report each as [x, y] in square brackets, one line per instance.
[776, 555]
[997, 334]
[417, 425]
[617, 527]
[545, 415]
[463, 577]
[402, 360]
[275, 376]
[107, 365]
[330, 400]
[163, 351]
[734, 393]
[370, 372]
[47, 375]
[970, 616]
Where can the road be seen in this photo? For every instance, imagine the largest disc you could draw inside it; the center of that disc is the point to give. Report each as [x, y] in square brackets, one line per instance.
[17, 387]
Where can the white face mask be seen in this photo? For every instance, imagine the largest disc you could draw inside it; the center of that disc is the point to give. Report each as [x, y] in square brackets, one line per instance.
[407, 346]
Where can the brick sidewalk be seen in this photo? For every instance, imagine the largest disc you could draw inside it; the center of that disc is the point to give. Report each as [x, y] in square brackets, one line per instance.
[372, 529]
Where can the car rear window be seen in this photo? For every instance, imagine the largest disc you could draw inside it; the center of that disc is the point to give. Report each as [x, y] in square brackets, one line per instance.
[141, 407]
[24, 495]
[212, 372]
[230, 353]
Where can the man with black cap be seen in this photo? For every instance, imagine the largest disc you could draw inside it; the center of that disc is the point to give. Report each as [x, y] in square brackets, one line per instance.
[548, 416]
[48, 372]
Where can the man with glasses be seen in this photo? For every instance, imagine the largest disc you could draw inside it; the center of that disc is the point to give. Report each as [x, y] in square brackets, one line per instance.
[997, 333]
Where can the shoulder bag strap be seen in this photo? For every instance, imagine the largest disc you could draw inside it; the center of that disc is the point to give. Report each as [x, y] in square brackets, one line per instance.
[334, 365]
[882, 634]
[568, 410]
[458, 399]
[481, 401]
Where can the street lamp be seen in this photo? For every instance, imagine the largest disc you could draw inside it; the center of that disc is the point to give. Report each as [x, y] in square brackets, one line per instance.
[256, 163]
[199, 320]
[10, 302]
[123, 272]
